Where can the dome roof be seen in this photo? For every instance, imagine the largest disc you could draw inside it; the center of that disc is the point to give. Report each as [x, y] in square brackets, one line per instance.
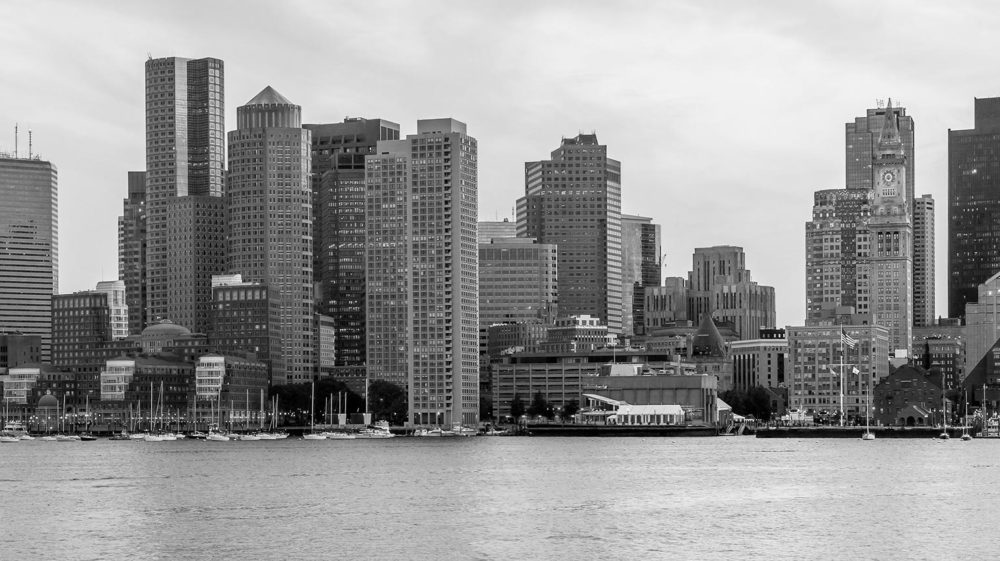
[48, 400]
[164, 329]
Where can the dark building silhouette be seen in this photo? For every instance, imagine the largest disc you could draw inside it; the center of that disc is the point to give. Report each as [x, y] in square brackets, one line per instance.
[973, 205]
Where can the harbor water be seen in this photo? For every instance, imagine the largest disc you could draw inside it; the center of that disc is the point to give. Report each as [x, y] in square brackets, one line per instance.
[501, 498]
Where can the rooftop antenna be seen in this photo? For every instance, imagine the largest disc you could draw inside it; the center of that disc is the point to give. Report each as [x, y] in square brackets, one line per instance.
[29, 144]
[15, 141]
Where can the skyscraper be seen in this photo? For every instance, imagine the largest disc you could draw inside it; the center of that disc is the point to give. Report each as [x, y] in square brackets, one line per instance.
[573, 200]
[641, 268]
[923, 261]
[862, 152]
[338, 189]
[185, 153]
[423, 270]
[270, 221]
[832, 251]
[886, 244]
[29, 247]
[973, 205]
[132, 251]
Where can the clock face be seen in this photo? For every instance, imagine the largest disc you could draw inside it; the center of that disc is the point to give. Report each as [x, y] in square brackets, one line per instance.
[888, 177]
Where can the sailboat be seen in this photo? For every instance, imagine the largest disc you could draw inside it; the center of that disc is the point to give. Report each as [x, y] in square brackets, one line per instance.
[149, 436]
[868, 434]
[213, 429]
[944, 415]
[965, 422]
[6, 436]
[311, 435]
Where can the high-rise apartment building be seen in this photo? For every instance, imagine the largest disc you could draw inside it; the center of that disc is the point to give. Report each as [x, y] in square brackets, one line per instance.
[338, 189]
[641, 268]
[132, 251]
[423, 270]
[923, 261]
[270, 221]
[573, 200]
[29, 247]
[80, 321]
[185, 157]
[720, 285]
[973, 205]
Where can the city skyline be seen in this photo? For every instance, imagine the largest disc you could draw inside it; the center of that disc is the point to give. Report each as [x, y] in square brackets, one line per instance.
[770, 86]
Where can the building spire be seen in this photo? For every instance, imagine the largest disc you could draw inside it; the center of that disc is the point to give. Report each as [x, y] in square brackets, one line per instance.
[889, 140]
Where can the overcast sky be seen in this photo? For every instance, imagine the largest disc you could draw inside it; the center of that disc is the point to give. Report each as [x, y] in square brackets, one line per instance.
[726, 116]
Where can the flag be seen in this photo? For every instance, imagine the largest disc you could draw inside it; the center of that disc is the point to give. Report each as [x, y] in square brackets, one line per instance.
[856, 371]
[847, 339]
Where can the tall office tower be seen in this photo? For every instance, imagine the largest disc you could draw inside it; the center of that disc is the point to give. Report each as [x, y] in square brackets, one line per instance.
[719, 284]
[423, 270]
[973, 205]
[185, 153]
[517, 283]
[641, 268]
[573, 200]
[862, 139]
[923, 261]
[29, 247]
[117, 307]
[338, 189]
[885, 244]
[270, 221]
[489, 229]
[132, 251]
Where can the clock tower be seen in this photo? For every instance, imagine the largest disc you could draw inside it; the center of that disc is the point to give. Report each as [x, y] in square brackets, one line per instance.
[889, 244]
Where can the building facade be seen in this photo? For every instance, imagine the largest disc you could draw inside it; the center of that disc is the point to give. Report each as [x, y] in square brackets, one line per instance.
[973, 205]
[489, 229]
[518, 282]
[923, 262]
[720, 285]
[423, 270]
[132, 251]
[29, 247]
[760, 362]
[270, 221]
[665, 305]
[861, 147]
[573, 200]
[243, 315]
[185, 157]
[641, 269]
[820, 375]
[338, 152]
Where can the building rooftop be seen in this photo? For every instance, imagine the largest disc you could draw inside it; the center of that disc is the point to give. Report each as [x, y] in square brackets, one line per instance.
[269, 96]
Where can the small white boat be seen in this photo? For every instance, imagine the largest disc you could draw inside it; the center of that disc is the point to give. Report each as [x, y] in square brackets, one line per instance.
[152, 438]
[48, 438]
[249, 437]
[217, 437]
[137, 436]
[336, 435]
[868, 436]
[313, 436]
[8, 438]
[26, 436]
[266, 436]
[67, 438]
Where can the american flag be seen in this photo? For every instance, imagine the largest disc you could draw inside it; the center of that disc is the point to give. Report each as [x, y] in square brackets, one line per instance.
[847, 339]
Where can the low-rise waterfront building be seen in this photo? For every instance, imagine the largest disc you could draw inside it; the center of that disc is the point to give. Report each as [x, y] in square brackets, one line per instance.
[910, 396]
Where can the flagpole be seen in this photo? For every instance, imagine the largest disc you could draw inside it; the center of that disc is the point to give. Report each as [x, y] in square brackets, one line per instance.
[842, 343]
